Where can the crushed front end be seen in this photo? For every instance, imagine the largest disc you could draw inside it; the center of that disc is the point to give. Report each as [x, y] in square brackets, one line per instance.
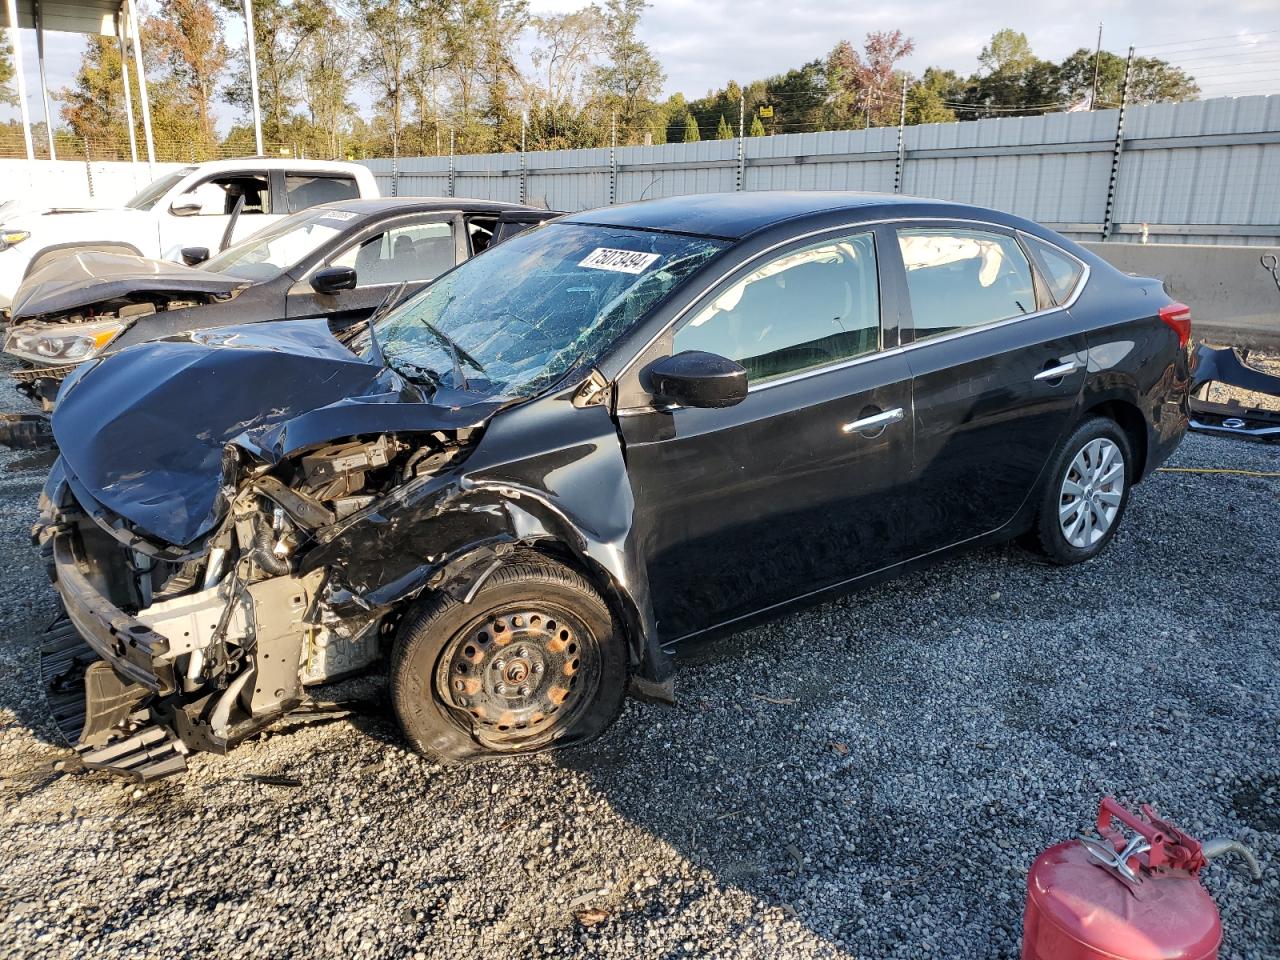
[162, 650]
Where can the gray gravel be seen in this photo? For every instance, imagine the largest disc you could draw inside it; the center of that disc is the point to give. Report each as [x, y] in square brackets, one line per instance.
[868, 779]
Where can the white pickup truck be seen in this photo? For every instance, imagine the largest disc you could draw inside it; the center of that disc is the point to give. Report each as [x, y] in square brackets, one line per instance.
[191, 207]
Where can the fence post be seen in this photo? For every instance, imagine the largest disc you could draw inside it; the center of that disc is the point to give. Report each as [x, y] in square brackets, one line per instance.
[395, 174]
[742, 141]
[451, 162]
[524, 183]
[1108, 216]
[613, 161]
[88, 167]
[902, 143]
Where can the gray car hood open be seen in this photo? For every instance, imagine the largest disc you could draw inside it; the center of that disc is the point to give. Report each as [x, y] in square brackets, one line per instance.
[82, 279]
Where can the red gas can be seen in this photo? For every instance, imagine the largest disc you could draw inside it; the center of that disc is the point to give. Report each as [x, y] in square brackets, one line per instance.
[1116, 898]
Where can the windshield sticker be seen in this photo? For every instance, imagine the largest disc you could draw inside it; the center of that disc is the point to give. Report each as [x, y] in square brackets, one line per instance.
[619, 261]
[338, 215]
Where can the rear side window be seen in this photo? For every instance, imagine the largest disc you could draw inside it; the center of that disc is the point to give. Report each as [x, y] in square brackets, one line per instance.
[959, 278]
[804, 309]
[412, 252]
[304, 190]
[1061, 271]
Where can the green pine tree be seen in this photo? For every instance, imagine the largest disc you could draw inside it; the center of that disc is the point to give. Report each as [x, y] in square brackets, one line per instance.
[757, 128]
[723, 130]
[691, 134]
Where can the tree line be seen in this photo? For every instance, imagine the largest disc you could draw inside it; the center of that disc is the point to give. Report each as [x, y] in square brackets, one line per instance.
[479, 76]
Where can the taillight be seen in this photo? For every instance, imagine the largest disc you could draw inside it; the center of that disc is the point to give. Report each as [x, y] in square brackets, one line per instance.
[1178, 316]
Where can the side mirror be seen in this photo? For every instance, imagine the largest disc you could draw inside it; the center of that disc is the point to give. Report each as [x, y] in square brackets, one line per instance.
[186, 206]
[698, 379]
[192, 256]
[333, 279]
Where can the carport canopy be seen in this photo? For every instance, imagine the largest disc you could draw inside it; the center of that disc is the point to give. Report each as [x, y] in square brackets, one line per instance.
[108, 18]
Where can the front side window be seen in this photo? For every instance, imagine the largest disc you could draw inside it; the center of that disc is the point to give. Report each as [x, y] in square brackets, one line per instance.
[305, 190]
[805, 309]
[1061, 271]
[959, 278]
[218, 196]
[515, 320]
[281, 246]
[413, 252]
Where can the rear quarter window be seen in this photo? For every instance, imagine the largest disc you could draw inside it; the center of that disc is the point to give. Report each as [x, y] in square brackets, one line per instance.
[1061, 271]
[307, 190]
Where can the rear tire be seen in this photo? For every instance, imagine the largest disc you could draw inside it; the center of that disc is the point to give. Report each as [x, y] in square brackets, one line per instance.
[1085, 493]
[534, 661]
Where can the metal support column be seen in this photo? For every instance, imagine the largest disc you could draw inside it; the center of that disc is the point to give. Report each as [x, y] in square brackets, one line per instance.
[135, 30]
[253, 76]
[123, 38]
[451, 163]
[44, 81]
[15, 41]
[613, 161]
[1108, 216]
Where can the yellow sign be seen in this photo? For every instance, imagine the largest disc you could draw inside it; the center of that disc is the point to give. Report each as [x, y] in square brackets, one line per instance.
[766, 111]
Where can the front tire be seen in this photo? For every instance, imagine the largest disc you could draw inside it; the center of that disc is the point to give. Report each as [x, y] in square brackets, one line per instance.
[534, 661]
[1085, 493]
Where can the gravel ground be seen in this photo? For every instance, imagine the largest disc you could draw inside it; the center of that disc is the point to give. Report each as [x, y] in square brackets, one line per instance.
[871, 778]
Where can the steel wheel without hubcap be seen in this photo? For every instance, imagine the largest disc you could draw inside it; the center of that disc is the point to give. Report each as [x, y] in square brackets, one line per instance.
[1091, 493]
[519, 672]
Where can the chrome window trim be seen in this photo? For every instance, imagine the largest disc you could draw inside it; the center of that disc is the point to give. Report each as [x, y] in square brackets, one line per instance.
[893, 351]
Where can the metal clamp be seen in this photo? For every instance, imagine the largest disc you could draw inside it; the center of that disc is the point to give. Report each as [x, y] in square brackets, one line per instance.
[1106, 855]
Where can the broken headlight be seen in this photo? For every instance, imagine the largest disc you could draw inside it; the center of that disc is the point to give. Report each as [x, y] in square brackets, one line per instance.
[63, 342]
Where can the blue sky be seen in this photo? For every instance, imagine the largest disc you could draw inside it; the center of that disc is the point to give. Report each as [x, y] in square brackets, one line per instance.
[1233, 48]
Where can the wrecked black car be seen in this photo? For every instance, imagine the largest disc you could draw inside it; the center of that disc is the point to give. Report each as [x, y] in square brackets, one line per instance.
[337, 260]
[519, 490]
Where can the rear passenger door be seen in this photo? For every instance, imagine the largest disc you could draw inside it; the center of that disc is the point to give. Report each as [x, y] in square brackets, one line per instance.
[798, 487]
[413, 250]
[997, 372]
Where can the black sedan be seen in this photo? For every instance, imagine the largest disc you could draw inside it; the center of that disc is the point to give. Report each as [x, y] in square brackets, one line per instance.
[339, 260]
[633, 427]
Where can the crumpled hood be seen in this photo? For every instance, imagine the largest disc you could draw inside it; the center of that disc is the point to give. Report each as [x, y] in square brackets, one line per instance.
[83, 279]
[143, 432]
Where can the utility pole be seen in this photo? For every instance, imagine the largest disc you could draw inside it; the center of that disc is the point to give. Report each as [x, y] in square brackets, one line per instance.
[1108, 217]
[1097, 60]
[902, 129]
[253, 76]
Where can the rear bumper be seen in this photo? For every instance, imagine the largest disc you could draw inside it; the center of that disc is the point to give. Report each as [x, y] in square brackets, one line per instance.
[132, 648]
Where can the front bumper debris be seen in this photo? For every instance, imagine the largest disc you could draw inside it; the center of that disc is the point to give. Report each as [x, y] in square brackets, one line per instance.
[1224, 366]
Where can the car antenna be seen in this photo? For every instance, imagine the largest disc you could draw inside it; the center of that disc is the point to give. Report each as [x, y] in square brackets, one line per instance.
[231, 224]
[380, 311]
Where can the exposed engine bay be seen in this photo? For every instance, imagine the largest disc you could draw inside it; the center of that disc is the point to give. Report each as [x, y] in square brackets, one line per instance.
[205, 648]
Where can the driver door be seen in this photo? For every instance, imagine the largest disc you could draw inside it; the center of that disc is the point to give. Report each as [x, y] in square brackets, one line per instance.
[796, 488]
[413, 250]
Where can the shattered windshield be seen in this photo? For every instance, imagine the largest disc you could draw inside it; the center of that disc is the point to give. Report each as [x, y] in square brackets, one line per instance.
[514, 320]
[270, 251]
[152, 192]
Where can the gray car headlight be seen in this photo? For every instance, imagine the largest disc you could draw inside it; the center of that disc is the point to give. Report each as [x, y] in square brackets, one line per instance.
[63, 342]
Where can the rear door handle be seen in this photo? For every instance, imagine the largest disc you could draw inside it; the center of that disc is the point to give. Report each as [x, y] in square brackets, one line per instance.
[1058, 372]
[874, 422]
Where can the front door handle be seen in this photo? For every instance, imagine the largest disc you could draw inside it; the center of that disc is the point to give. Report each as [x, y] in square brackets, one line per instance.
[1060, 371]
[874, 422]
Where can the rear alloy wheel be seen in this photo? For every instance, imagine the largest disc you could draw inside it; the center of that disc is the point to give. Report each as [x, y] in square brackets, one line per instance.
[533, 661]
[1085, 493]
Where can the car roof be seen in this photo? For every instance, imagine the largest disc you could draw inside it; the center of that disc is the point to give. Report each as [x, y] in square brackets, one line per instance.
[732, 216]
[383, 205]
